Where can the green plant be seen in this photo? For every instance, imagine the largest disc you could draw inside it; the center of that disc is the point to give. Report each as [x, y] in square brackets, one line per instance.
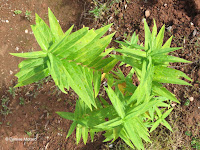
[187, 102]
[29, 133]
[188, 133]
[17, 12]
[21, 101]
[79, 60]
[5, 109]
[28, 15]
[12, 91]
[195, 143]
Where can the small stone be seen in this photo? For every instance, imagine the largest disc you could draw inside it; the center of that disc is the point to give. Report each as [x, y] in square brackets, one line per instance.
[165, 5]
[173, 104]
[125, 6]
[26, 31]
[11, 72]
[7, 21]
[147, 13]
[191, 99]
[17, 48]
[191, 23]
[111, 146]
[169, 28]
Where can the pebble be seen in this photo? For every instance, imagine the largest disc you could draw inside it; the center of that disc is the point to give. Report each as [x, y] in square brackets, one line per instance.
[147, 13]
[17, 48]
[165, 5]
[26, 31]
[11, 72]
[191, 99]
[191, 23]
[111, 146]
[7, 21]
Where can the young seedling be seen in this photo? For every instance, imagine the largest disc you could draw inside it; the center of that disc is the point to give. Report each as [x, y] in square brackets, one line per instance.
[17, 12]
[28, 15]
[77, 60]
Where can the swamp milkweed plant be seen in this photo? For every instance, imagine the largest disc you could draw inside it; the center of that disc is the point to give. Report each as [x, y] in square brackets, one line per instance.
[77, 60]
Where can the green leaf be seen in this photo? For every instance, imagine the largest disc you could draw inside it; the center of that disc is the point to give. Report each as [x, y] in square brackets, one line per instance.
[94, 50]
[137, 54]
[64, 45]
[164, 50]
[117, 104]
[36, 54]
[42, 33]
[124, 136]
[79, 83]
[97, 82]
[30, 63]
[110, 124]
[159, 90]
[148, 41]
[78, 133]
[166, 124]
[58, 72]
[155, 125]
[167, 113]
[158, 112]
[136, 140]
[36, 77]
[169, 75]
[25, 74]
[72, 128]
[100, 32]
[66, 115]
[85, 134]
[161, 59]
[160, 37]
[168, 43]
[54, 25]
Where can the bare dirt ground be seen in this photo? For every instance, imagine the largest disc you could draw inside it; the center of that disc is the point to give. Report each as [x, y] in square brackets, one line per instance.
[36, 118]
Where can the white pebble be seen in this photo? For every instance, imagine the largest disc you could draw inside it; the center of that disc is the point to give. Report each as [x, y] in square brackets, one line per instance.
[26, 31]
[191, 99]
[191, 23]
[7, 21]
[17, 48]
[147, 13]
[11, 72]
[165, 5]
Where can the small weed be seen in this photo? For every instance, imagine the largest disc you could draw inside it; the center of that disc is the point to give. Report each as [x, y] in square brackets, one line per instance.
[12, 91]
[29, 133]
[195, 143]
[17, 12]
[21, 101]
[1, 123]
[4, 103]
[187, 103]
[188, 133]
[28, 15]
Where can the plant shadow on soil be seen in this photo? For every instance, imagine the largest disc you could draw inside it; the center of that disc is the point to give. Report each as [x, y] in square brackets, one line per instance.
[41, 100]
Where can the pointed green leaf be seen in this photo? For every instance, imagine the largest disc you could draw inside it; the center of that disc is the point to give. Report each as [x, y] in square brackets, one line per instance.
[72, 128]
[84, 134]
[167, 113]
[166, 124]
[35, 54]
[117, 104]
[155, 125]
[54, 25]
[160, 37]
[42, 33]
[66, 115]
